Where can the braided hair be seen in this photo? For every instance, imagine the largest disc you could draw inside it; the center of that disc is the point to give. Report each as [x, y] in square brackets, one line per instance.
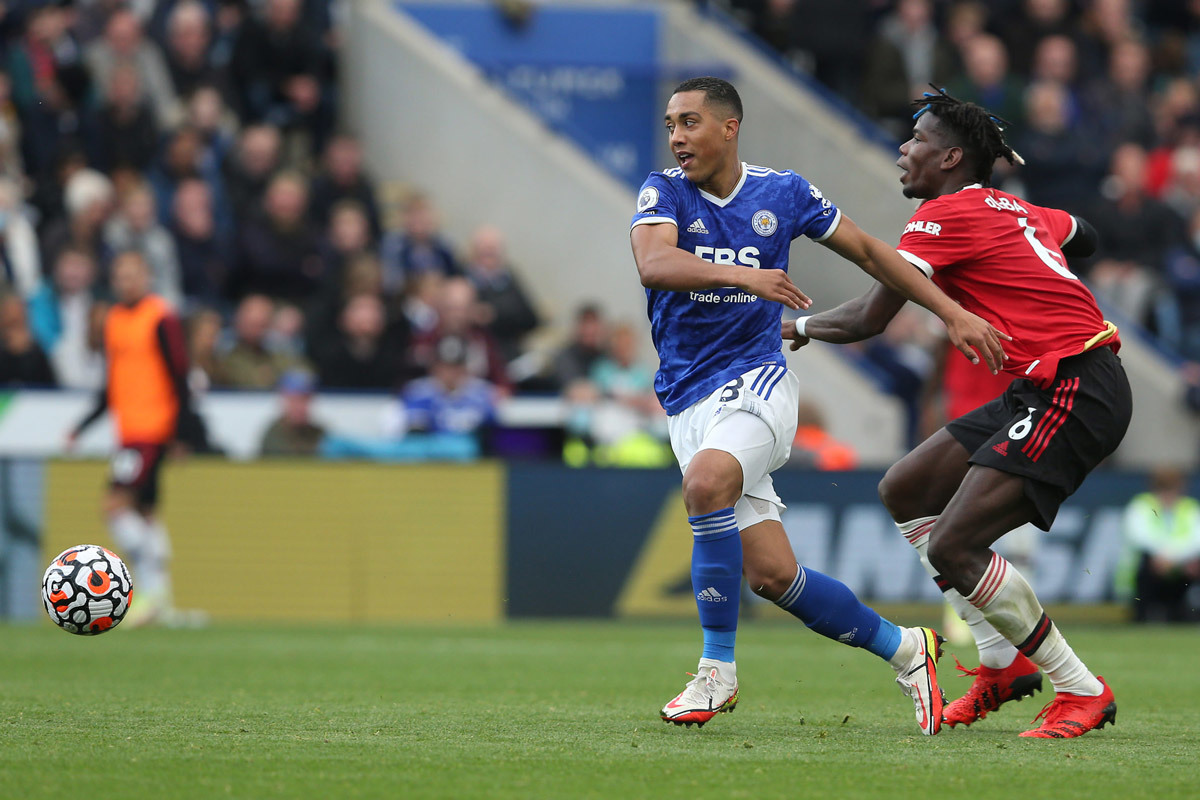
[978, 132]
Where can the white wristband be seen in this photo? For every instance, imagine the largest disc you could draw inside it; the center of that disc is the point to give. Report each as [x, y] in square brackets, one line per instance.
[801, 322]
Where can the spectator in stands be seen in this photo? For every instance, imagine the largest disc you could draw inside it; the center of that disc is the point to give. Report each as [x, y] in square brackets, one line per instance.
[965, 20]
[419, 303]
[20, 260]
[362, 356]
[293, 432]
[204, 252]
[620, 376]
[50, 86]
[22, 362]
[342, 178]
[1160, 574]
[347, 236]
[1027, 26]
[417, 248]
[361, 275]
[87, 203]
[907, 54]
[123, 132]
[251, 363]
[277, 252]
[1055, 60]
[589, 340]
[60, 315]
[814, 447]
[89, 19]
[450, 401]
[460, 314]
[49, 193]
[12, 166]
[1182, 190]
[283, 73]
[204, 339]
[135, 226]
[124, 44]
[286, 335]
[1177, 319]
[188, 51]
[1138, 231]
[508, 311]
[1117, 102]
[1103, 25]
[256, 159]
[1063, 166]
[184, 157]
[988, 81]
[207, 113]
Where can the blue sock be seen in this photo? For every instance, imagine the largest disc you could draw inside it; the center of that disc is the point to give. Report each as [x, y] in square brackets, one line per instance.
[717, 580]
[831, 609]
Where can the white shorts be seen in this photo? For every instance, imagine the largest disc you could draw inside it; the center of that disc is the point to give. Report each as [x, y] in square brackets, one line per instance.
[753, 418]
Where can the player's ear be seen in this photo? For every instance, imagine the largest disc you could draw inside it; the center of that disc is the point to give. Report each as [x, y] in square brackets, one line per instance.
[731, 128]
[952, 158]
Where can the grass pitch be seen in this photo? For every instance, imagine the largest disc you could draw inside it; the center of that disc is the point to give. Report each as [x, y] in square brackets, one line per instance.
[553, 710]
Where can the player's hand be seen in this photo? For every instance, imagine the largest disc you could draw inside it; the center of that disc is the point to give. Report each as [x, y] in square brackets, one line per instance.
[70, 442]
[776, 286]
[975, 337]
[789, 333]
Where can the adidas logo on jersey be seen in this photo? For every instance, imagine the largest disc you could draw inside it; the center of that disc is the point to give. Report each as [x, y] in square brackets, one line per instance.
[1001, 448]
[697, 227]
[711, 595]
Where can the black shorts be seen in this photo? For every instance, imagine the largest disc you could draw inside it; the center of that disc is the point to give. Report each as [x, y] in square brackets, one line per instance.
[135, 467]
[1053, 437]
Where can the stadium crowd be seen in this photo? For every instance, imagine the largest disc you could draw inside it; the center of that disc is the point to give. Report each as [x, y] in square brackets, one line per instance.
[203, 133]
[1103, 97]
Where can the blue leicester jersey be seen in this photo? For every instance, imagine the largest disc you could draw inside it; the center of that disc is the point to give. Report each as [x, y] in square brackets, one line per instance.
[707, 338]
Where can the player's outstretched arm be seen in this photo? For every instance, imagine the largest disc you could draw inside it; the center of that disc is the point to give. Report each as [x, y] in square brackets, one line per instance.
[97, 411]
[663, 266]
[854, 320]
[970, 333]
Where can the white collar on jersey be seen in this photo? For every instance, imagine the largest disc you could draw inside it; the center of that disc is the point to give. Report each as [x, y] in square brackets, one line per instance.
[969, 186]
[721, 202]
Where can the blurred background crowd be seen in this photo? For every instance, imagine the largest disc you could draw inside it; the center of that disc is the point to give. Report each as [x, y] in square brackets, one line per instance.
[1103, 97]
[204, 133]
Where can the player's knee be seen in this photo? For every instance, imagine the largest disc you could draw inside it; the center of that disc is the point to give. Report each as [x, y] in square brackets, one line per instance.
[895, 493]
[945, 555]
[705, 492]
[117, 501]
[770, 581]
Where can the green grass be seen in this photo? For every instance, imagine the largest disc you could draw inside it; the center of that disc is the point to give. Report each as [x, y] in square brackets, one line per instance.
[554, 710]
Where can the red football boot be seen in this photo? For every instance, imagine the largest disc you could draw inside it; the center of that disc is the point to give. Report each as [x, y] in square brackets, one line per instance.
[1071, 715]
[993, 688]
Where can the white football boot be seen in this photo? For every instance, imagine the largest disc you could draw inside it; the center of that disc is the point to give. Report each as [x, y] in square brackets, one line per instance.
[705, 696]
[918, 679]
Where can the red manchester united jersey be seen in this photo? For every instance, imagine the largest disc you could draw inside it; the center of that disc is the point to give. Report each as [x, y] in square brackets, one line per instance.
[999, 257]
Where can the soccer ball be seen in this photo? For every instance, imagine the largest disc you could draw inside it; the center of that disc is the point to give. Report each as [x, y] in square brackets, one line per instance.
[87, 590]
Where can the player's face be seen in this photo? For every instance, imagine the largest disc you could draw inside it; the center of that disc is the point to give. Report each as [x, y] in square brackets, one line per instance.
[130, 280]
[701, 139]
[922, 158]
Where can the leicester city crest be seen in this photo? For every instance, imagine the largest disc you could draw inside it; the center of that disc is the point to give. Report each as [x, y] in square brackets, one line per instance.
[764, 222]
[647, 199]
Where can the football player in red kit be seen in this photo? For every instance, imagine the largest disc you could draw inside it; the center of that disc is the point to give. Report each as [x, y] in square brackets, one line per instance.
[1017, 458]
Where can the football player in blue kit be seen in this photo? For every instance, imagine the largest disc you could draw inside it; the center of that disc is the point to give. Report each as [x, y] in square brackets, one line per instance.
[711, 239]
